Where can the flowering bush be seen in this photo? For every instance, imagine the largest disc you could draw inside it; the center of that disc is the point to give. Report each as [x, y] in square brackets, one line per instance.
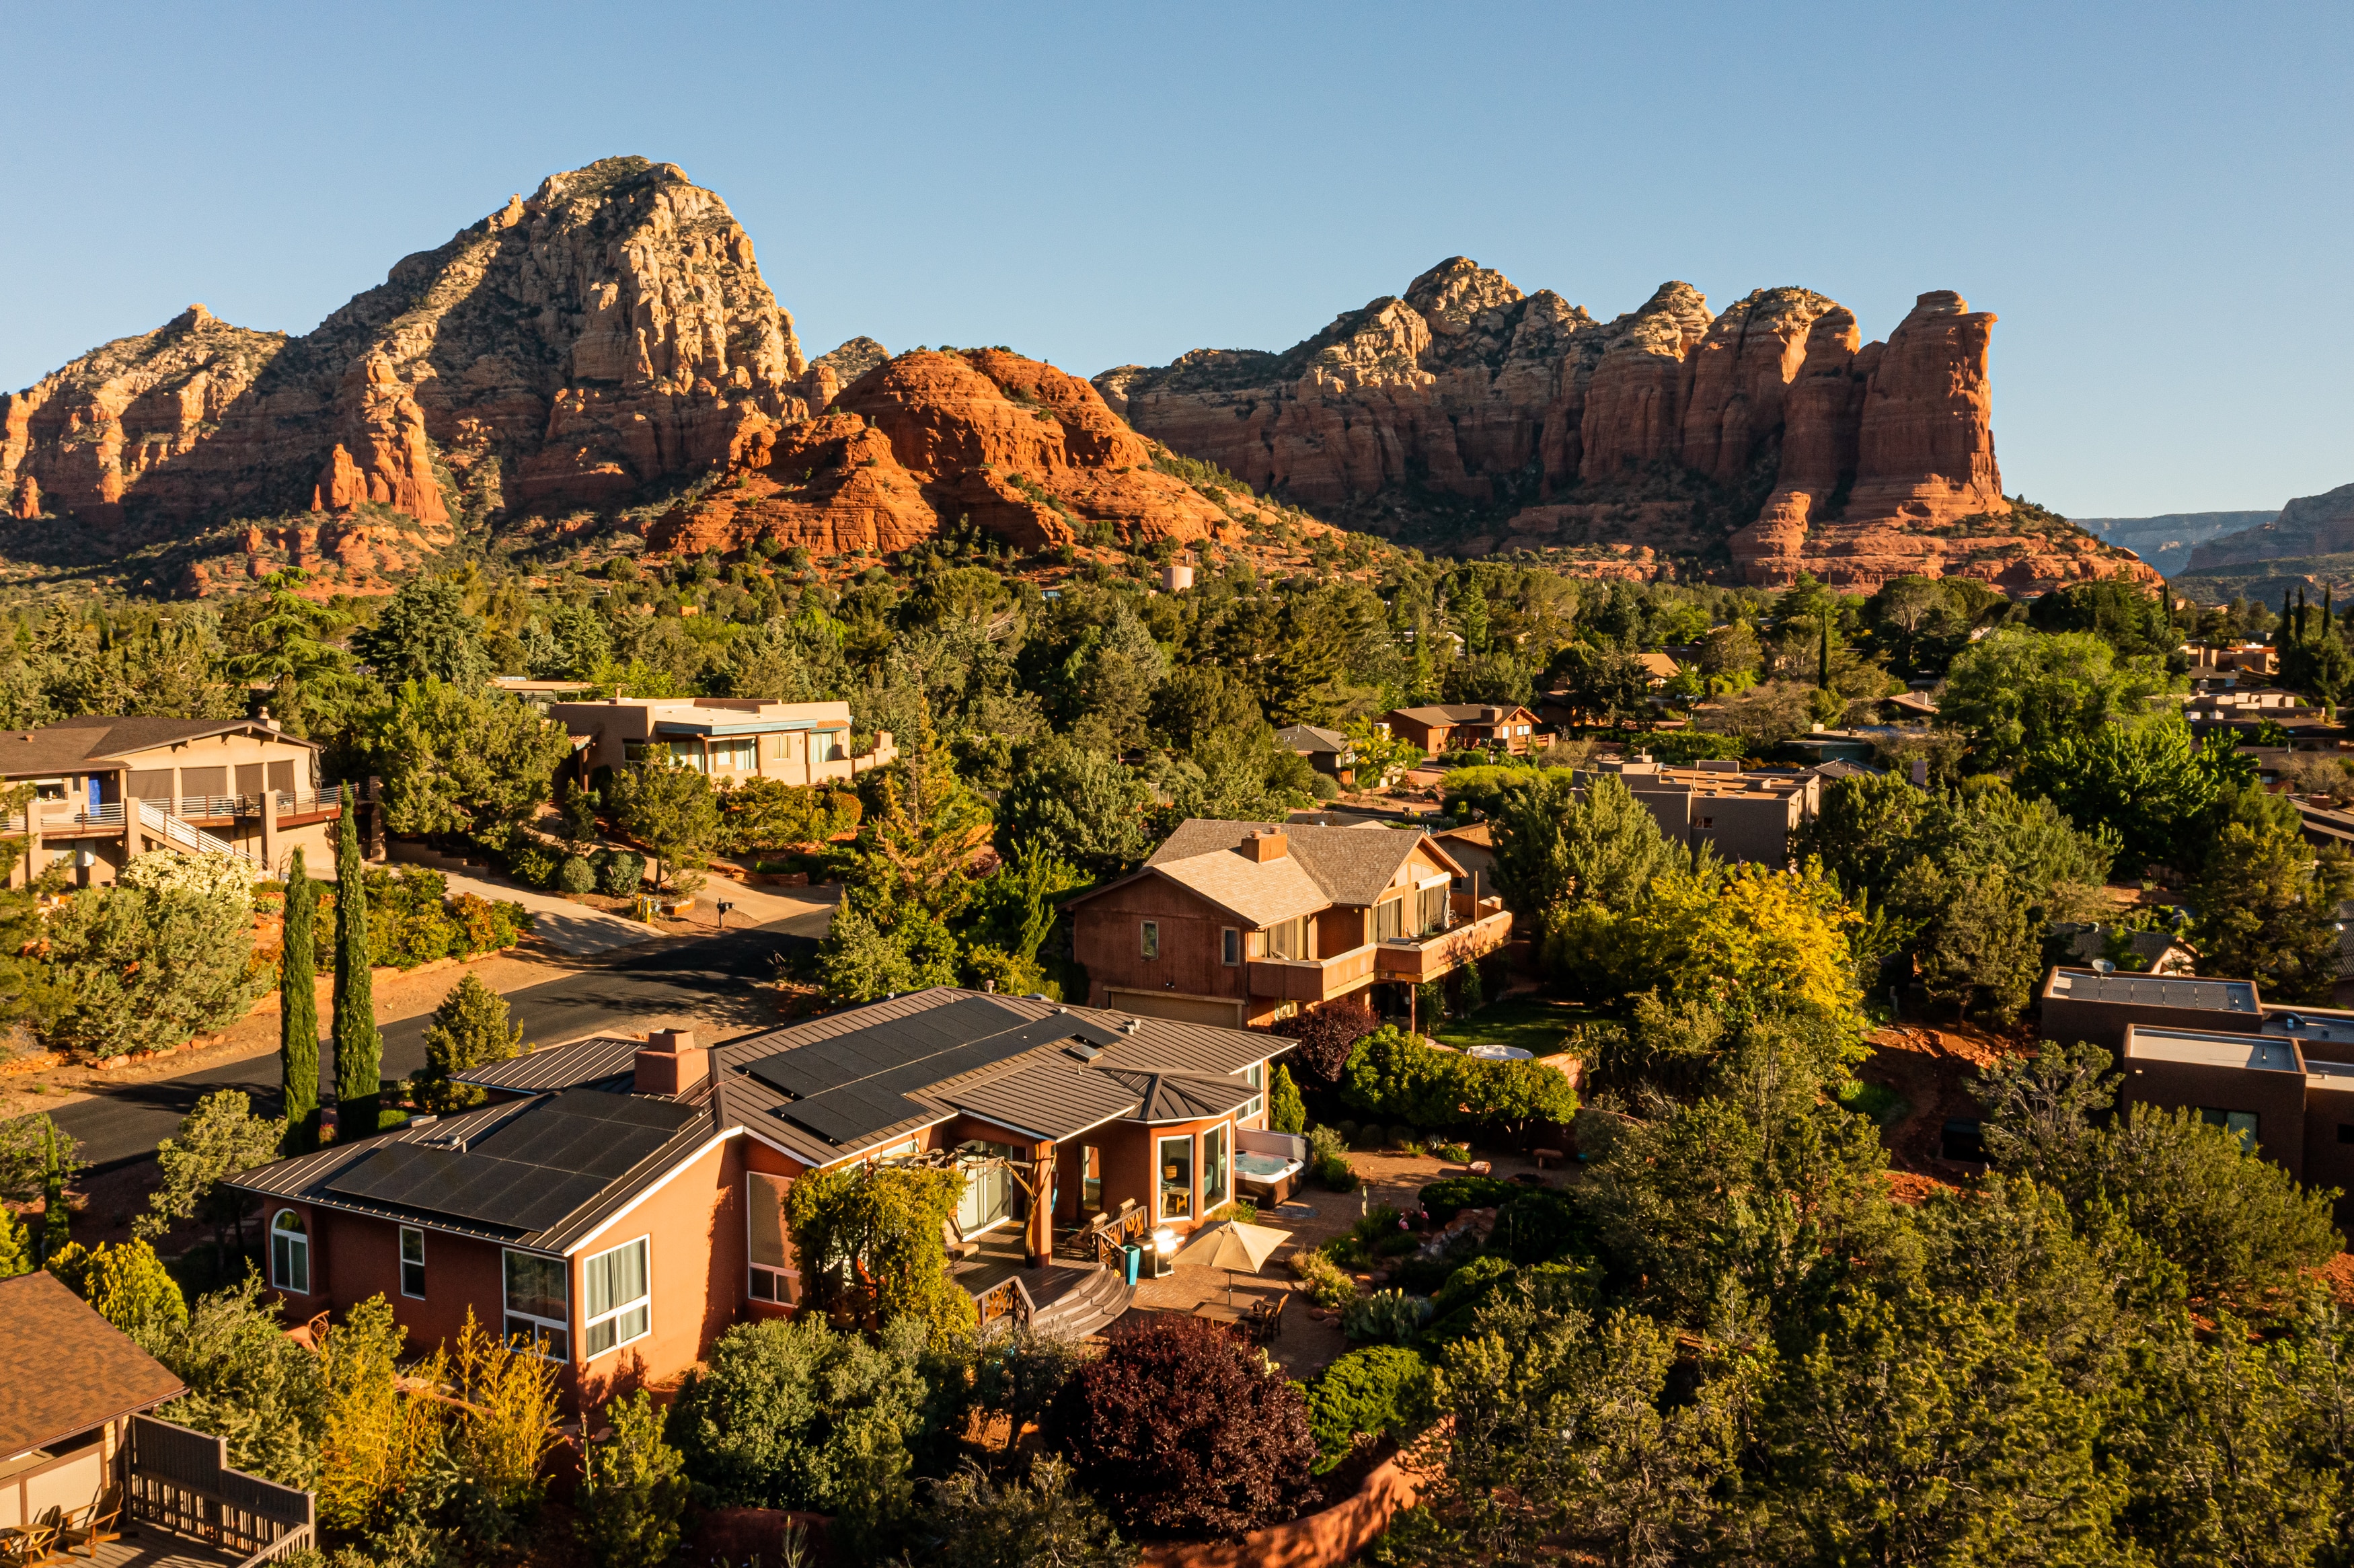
[219, 877]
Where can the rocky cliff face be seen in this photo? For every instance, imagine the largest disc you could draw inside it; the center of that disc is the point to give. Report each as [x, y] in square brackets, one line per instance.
[1770, 433]
[612, 331]
[2309, 526]
[1013, 446]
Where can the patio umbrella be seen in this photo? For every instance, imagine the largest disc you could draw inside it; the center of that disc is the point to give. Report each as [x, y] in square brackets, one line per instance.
[1232, 1244]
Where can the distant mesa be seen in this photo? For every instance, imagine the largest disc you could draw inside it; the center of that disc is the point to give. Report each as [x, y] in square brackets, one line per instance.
[1769, 436]
[2309, 526]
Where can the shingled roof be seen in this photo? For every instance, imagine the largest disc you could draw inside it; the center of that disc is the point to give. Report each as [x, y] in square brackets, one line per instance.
[1353, 865]
[88, 1371]
[74, 743]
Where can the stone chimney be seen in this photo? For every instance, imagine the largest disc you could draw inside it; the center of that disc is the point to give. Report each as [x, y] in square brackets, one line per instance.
[1265, 844]
[670, 1063]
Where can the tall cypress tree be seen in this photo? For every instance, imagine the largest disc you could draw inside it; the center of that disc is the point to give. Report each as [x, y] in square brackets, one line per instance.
[57, 1219]
[1823, 659]
[359, 1049]
[298, 1013]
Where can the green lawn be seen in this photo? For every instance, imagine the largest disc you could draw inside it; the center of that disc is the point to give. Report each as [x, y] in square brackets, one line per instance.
[1534, 1024]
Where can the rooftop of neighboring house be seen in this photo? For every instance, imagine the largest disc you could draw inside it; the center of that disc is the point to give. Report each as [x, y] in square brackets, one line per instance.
[1269, 871]
[88, 1373]
[2088, 942]
[98, 740]
[2191, 1047]
[2231, 996]
[1438, 714]
[717, 715]
[1659, 666]
[1709, 776]
[607, 1118]
[1306, 737]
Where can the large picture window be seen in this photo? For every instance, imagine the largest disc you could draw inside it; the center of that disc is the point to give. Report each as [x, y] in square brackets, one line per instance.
[539, 1304]
[736, 752]
[619, 1308]
[1216, 1191]
[774, 1267]
[1176, 1171]
[289, 1252]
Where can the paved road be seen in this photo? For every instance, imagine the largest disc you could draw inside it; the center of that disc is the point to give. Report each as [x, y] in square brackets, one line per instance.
[715, 974]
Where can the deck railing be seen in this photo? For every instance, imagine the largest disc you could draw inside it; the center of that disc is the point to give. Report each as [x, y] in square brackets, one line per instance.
[1007, 1297]
[180, 1482]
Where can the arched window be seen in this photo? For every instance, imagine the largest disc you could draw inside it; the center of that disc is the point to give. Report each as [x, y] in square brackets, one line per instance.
[289, 1254]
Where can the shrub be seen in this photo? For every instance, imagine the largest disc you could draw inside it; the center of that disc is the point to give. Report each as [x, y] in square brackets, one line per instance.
[531, 865]
[791, 1414]
[1329, 1285]
[621, 873]
[1454, 1153]
[1534, 1227]
[1177, 1430]
[1383, 1388]
[576, 875]
[633, 1487]
[1327, 1034]
[973, 1522]
[1336, 1175]
[1385, 1317]
[1324, 789]
[1399, 1076]
[144, 968]
[1442, 1201]
[1285, 1111]
[1327, 1142]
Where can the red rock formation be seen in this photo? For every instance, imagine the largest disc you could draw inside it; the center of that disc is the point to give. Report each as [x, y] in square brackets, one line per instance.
[1766, 429]
[25, 505]
[394, 464]
[1015, 446]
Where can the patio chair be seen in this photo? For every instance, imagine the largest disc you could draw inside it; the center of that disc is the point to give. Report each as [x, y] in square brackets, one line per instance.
[95, 1524]
[1267, 1318]
[34, 1543]
[952, 1238]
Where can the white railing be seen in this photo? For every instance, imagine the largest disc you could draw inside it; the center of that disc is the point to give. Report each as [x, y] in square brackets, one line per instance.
[56, 813]
[184, 834]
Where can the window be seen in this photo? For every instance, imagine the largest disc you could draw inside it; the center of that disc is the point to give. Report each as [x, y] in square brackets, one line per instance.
[1255, 1076]
[825, 744]
[1389, 920]
[289, 1252]
[1214, 1190]
[2241, 1125]
[1258, 944]
[988, 1186]
[2346, 1132]
[738, 753]
[1230, 946]
[619, 1311]
[539, 1304]
[1176, 1164]
[412, 1262]
[1090, 1176]
[1431, 915]
[774, 1275]
[1149, 938]
[1288, 940]
[780, 747]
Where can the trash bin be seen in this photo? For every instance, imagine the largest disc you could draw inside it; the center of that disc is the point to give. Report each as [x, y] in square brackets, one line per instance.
[1132, 1257]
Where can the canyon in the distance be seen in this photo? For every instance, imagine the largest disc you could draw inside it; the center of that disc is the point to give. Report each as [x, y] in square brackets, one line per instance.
[606, 354]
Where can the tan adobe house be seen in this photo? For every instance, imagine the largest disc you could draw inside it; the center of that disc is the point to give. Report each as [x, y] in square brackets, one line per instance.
[1328, 750]
[109, 789]
[1243, 923]
[2282, 1077]
[1451, 726]
[727, 737]
[620, 1202]
[77, 1446]
[1743, 816]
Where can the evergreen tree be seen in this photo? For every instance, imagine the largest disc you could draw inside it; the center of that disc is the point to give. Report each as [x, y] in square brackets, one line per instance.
[57, 1220]
[1285, 1111]
[15, 1246]
[359, 1049]
[469, 1028]
[131, 1289]
[297, 1012]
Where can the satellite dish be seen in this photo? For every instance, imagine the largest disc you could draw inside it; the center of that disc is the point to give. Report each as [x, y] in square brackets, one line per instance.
[2104, 967]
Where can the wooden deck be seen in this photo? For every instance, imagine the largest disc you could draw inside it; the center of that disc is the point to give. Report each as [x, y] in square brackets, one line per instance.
[1002, 1257]
[145, 1546]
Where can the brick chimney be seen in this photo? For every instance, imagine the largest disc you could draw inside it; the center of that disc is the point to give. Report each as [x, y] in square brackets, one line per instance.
[670, 1063]
[1265, 844]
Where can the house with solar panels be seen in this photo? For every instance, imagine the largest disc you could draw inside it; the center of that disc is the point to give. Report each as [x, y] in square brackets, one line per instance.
[618, 1202]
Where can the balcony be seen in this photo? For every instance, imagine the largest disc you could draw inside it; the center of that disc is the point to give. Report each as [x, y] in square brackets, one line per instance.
[1477, 931]
[1312, 979]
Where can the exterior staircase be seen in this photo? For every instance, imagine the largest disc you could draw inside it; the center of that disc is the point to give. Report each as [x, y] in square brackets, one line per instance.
[1087, 1308]
[182, 835]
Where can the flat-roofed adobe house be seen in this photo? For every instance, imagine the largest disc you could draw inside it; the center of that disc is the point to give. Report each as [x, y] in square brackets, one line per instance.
[1449, 726]
[76, 1437]
[727, 737]
[109, 789]
[620, 1202]
[1243, 923]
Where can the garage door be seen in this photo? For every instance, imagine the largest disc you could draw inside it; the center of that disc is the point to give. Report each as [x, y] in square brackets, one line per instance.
[1183, 1008]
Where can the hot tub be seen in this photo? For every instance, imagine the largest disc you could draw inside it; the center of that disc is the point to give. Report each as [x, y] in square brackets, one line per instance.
[1267, 1179]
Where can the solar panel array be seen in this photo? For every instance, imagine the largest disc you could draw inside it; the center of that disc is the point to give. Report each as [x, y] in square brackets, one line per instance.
[852, 1085]
[532, 1171]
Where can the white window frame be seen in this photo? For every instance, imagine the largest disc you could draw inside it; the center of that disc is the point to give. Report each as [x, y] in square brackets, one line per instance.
[1193, 1178]
[1148, 938]
[1255, 1076]
[547, 1337]
[297, 1243]
[407, 1263]
[1211, 1204]
[764, 1282]
[617, 1314]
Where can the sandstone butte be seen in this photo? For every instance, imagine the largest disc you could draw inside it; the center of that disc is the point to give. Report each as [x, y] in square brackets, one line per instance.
[565, 352]
[2309, 526]
[1770, 433]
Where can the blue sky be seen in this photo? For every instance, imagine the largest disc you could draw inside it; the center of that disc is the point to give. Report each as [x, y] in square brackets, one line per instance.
[2154, 200]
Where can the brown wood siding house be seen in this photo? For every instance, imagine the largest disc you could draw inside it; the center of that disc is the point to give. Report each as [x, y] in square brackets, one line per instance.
[1449, 727]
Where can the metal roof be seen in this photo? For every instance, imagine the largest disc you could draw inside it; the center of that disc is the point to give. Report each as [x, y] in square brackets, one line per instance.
[2148, 990]
[598, 1059]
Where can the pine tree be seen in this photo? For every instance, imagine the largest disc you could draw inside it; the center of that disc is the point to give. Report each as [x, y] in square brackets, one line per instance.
[57, 1220]
[469, 1028]
[359, 1049]
[298, 1013]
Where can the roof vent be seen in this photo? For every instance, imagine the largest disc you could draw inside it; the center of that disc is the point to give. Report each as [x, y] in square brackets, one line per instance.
[1131, 1026]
